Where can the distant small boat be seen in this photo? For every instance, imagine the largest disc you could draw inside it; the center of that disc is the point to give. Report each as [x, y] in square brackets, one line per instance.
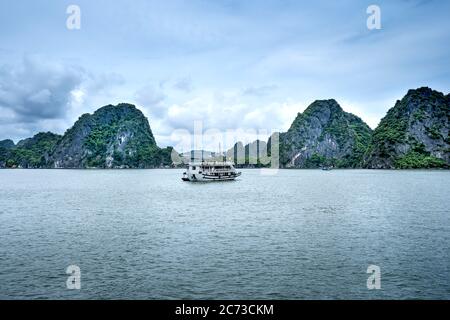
[206, 171]
[327, 168]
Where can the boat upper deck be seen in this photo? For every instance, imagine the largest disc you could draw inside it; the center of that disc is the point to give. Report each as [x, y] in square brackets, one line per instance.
[224, 166]
[212, 164]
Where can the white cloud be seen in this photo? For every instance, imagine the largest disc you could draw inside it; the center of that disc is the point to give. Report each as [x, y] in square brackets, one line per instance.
[228, 112]
[151, 98]
[371, 111]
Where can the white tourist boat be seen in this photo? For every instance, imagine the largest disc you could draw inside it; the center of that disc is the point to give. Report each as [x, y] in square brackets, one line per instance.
[210, 171]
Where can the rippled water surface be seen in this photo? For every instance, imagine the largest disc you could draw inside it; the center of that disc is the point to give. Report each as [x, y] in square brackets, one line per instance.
[300, 234]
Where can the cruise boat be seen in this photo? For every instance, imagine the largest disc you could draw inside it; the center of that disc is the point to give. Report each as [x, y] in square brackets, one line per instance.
[210, 171]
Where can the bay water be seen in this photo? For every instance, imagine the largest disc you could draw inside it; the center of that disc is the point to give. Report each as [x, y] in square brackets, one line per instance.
[298, 234]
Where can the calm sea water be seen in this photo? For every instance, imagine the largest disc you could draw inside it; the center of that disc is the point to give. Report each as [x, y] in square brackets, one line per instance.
[301, 234]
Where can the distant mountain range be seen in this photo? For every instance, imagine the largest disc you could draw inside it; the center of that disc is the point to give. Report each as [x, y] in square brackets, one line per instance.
[413, 134]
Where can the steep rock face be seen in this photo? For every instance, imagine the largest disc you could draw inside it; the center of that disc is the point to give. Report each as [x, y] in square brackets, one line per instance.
[324, 135]
[112, 137]
[30, 153]
[5, 147]
[413, 134]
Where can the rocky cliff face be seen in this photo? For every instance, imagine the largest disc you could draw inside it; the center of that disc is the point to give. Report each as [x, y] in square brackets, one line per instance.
[112, 137]
[324, 135]
[5, 147]
[413, 134]
[29, 153]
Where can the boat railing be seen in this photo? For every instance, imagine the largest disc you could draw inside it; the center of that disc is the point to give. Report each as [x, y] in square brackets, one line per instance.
[217, 170]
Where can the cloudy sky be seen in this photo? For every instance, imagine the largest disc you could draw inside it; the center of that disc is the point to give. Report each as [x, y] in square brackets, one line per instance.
[233, 64]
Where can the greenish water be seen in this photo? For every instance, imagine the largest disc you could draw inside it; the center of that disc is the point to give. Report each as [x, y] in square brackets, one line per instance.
[300, 234]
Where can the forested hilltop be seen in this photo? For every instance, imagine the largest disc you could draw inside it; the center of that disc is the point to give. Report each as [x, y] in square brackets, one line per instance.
[112, 137]
[413, 134]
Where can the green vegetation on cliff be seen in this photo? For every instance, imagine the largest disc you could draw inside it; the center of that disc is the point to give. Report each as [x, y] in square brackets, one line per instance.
[413, 134]
[416, 160]
[30, 153]
[325, 135]
[113, 137]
